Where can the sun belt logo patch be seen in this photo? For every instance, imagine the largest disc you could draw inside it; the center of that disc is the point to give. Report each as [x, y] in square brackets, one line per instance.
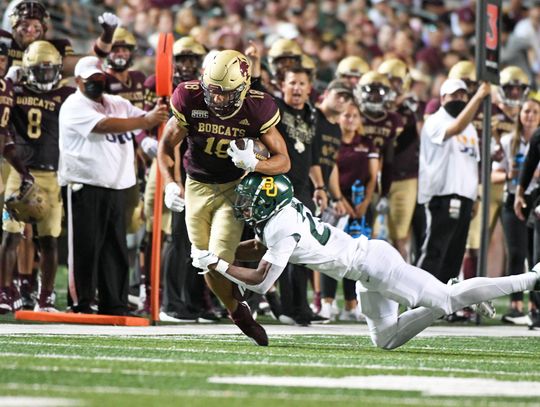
[199, 114]
[269, 186]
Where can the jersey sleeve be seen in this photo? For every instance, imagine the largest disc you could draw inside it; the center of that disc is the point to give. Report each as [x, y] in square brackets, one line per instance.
[267, 110]
[280, 238]
[179, 104]
[63, 45]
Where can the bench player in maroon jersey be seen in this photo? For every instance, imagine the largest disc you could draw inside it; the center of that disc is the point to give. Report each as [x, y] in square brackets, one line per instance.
[209, 114]
[382, 126]
[35, 122]
[402, 195]
[29, 22]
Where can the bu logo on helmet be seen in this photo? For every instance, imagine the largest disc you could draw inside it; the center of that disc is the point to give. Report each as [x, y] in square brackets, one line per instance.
[244, 68]
[269, 186]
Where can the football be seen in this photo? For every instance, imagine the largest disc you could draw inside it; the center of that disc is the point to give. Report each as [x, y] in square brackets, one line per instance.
[260, 150]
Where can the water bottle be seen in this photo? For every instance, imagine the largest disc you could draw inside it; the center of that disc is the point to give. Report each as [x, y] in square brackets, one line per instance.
[354, 229]
[357, 192]
[383, 230]
[519, 159]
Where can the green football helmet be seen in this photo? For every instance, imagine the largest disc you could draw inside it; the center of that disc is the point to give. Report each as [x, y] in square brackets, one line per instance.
[260, 197]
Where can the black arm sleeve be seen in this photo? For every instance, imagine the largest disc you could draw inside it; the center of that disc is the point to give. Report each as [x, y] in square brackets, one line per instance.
[531, 161]
[387, 169]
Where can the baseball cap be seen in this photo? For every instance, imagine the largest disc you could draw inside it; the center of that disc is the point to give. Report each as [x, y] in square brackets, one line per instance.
[88, 66]
[450, 86]
[340, 86]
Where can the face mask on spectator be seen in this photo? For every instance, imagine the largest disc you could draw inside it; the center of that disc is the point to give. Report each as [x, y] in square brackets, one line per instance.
[455, 107]
[94, 89]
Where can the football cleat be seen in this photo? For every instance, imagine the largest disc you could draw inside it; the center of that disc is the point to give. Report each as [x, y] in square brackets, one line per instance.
[45, 302]
[5, 301]
[176, 317]
[516, 317]
[242, 319]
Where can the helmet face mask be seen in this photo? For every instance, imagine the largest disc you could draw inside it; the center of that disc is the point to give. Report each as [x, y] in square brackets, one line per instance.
[29, 10]
[42, 66]
[374, 97]
[260, 197]
[117, 59]
[225, 82]
[514, 86]
[186, 67]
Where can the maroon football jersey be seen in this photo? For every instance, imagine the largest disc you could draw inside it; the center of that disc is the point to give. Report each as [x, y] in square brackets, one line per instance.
[353, 162]
[150, 97]
[133, 90]
[208, 137]
[35, 121]
[382, 131]
[15, 51]
[405, 163]
[501, 123]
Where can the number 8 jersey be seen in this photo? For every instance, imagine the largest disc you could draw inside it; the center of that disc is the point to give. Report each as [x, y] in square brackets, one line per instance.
[318, 246]
[35, 119]
[208, 136]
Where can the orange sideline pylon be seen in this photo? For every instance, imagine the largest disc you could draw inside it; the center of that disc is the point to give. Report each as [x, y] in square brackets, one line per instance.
[164, 73]
[74, 318]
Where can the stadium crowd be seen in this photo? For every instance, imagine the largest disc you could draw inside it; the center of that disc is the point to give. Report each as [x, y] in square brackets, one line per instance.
[370, 107]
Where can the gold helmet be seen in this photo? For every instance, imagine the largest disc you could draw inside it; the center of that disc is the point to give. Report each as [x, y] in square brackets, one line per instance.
[284, 54]
[188, 56]
[352, 66]
[28, 205]
[121, 38]
[309, 65]
[42, 66]
[397, 73]
[29, 10]
[514, 86]
[225, 82]
[373, 92]
[466, 71]
[463, 70]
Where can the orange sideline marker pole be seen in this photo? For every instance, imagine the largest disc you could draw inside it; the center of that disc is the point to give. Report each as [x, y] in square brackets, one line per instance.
[164, 72]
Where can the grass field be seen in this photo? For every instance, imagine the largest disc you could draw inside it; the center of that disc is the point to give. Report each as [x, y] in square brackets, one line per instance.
[297, 370]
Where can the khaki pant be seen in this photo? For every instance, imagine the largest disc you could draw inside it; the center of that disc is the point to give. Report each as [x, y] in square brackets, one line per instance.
[402, 201]
[210, 220]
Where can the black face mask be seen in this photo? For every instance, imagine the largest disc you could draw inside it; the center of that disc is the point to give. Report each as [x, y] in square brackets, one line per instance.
[94, 89]
[455, 107]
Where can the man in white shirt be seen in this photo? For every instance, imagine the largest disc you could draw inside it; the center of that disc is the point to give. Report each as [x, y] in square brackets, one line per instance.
[286, 231]
[448, 178]
[96, 165]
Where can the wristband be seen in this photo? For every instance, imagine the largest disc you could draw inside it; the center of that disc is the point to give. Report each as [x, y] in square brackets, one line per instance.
[99, 52]
[318, 188]
[338, 199]
[222, 266]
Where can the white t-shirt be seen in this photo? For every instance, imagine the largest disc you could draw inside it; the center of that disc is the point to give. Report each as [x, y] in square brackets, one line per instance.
[319, 245]
[103, 160]
[449, 166]
[505, 163]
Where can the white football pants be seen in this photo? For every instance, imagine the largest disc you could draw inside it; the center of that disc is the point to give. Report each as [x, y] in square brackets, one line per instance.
[390, 281]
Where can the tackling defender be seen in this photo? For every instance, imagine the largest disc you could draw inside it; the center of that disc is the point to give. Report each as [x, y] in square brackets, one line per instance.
[288, 232]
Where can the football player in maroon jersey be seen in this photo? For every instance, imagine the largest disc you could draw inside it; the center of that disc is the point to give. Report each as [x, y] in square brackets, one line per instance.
[209, 114]
[35, 121]
[373, 94]
[29, 22]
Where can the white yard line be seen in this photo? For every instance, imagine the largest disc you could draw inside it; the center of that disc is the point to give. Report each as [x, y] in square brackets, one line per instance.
[227, 329]
[429, 386]
[24, 401]
[220, 394]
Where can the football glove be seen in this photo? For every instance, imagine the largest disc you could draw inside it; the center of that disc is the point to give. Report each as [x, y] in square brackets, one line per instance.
[15, 74]
[149, 146]
[203, 258]
[173, 200]
[108, 22]
[382, 206]
[244, 159]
